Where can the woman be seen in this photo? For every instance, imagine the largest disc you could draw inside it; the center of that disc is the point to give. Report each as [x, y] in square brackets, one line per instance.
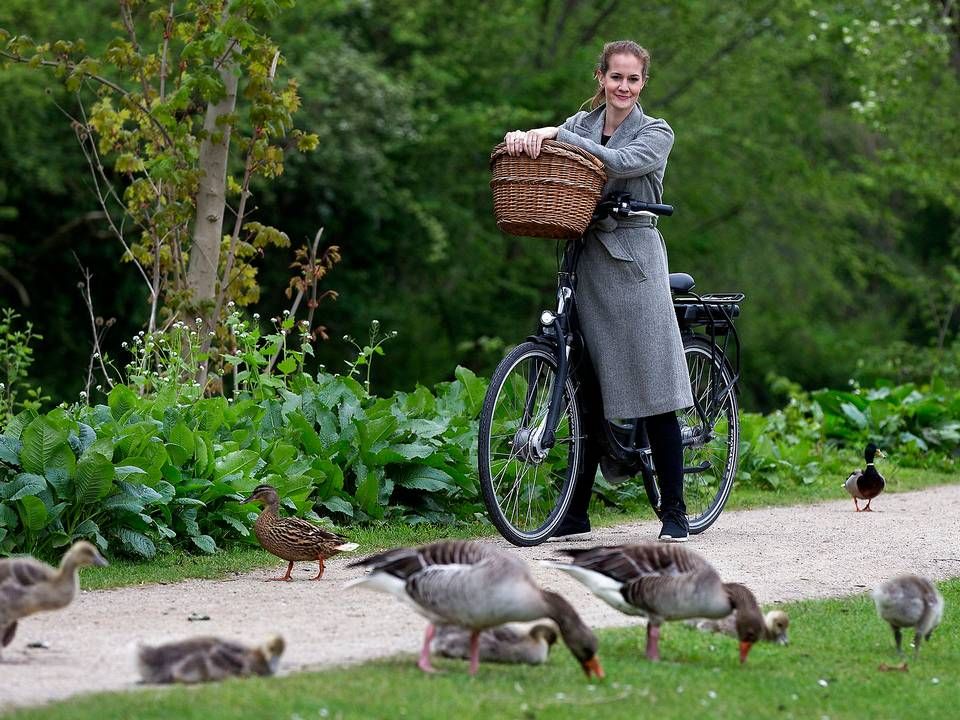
[623, 292]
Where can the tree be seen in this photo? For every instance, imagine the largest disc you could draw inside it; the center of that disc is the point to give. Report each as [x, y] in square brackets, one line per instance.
[176, 115]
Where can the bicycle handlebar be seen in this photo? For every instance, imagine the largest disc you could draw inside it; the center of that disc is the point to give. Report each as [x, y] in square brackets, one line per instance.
[638, 206]
[622, 205]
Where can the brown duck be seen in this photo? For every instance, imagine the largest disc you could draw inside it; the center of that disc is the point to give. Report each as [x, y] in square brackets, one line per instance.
[291, 538]
[205, 659]
[28, 586]
[663, 582]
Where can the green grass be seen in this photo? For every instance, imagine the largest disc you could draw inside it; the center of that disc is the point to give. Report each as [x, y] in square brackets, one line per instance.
[830, 669]
[179, 566]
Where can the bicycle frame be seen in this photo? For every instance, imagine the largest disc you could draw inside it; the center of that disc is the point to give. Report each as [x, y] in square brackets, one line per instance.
[714, 312]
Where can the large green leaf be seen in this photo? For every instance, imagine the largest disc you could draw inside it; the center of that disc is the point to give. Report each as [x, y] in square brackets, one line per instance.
[21, 420]
[368, 490]
[238, 462]
[33, 513]
[474, 389]
[308, 436]
[121, 401]
[374, 433]
[10, 450]
[137, 543]
[183, 436]
[337, 504]
[22, 485]
[205, 543]
[45, 447]
[421, 477]
[95, 476]
[8, 516]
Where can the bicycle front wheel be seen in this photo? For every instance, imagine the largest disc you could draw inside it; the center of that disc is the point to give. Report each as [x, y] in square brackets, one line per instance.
[710, 450]
[527, 487]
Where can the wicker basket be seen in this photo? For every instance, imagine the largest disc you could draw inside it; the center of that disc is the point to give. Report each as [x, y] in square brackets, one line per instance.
[551, 196]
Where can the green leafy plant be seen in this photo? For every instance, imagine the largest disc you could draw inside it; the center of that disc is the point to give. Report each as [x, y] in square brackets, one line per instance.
[16, 357]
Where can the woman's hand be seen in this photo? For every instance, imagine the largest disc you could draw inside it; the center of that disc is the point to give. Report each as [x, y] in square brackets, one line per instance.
[534, 139]
[515, 141]
[530, 141]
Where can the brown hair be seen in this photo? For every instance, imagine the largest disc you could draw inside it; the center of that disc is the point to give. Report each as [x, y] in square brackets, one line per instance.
[618, 47]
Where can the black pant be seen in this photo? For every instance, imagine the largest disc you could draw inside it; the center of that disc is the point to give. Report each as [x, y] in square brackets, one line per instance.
[663, 432]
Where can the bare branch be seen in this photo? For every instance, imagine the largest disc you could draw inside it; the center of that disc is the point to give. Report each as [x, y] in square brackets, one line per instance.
[103, 81]
[309, 270]
[167, 33]
[97, 354]
[591, 30]
[17, 285]
[96, 168]
[752, 29]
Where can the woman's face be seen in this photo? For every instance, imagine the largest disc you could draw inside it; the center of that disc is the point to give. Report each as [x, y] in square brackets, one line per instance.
[623, 81]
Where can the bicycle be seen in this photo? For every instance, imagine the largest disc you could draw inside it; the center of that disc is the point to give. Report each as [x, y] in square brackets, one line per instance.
[536, 413]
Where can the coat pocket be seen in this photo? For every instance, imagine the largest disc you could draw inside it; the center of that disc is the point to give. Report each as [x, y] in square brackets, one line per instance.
[617, 249]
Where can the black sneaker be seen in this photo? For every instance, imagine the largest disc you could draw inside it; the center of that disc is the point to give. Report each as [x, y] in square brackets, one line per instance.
[675, 526]
[571, 531]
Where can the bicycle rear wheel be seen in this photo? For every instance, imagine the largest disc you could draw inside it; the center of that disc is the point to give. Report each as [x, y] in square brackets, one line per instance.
[525, 486]
[714, 449]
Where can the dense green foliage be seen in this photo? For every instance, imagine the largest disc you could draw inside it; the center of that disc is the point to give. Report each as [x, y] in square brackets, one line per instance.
[167, 470]
[833, 667]
[815, 168]
[159, 466]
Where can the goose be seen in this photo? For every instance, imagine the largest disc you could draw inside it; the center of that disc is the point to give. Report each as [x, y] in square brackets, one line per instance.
[28, 586]
[663, 582]
[865, 484]
[775, 626]
[510, 643]
[474, 586]
[909, 601]
[292, 538]
[204, 659]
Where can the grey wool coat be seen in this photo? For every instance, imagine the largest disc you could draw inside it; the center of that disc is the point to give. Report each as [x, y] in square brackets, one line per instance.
[623, 289]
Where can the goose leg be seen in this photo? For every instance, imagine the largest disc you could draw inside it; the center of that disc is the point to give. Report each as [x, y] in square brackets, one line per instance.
[867, 507]
[899, 639]
[424, 662]
[855, 505]
[653, 641]
[285, 578]
[319, 574]
[475, 651]
[916, 644]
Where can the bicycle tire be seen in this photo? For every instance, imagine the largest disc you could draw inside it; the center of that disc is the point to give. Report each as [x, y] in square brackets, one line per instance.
[706, 493]
[515, 473]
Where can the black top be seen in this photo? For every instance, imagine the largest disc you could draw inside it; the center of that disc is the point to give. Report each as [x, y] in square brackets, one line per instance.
[603, 139]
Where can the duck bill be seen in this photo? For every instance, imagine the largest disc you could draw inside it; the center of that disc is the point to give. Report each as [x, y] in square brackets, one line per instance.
[100, 561]
[782, 639]
[592, 668]
[744, 650]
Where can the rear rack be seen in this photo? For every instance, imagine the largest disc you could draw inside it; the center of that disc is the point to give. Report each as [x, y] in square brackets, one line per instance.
[713, 314]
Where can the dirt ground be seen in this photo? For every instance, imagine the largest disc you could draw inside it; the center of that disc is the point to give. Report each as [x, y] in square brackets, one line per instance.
[786, 553]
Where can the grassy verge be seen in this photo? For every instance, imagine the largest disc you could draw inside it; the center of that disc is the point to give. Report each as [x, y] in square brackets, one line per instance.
[179, 566]
[832, 668]
[172, 568]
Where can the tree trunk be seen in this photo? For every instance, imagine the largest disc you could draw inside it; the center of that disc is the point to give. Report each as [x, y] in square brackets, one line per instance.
[211, 194]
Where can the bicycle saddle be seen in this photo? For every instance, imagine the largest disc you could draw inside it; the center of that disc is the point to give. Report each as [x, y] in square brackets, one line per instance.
[681, 282]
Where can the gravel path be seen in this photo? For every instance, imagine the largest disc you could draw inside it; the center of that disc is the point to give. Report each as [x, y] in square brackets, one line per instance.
[784, 553]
